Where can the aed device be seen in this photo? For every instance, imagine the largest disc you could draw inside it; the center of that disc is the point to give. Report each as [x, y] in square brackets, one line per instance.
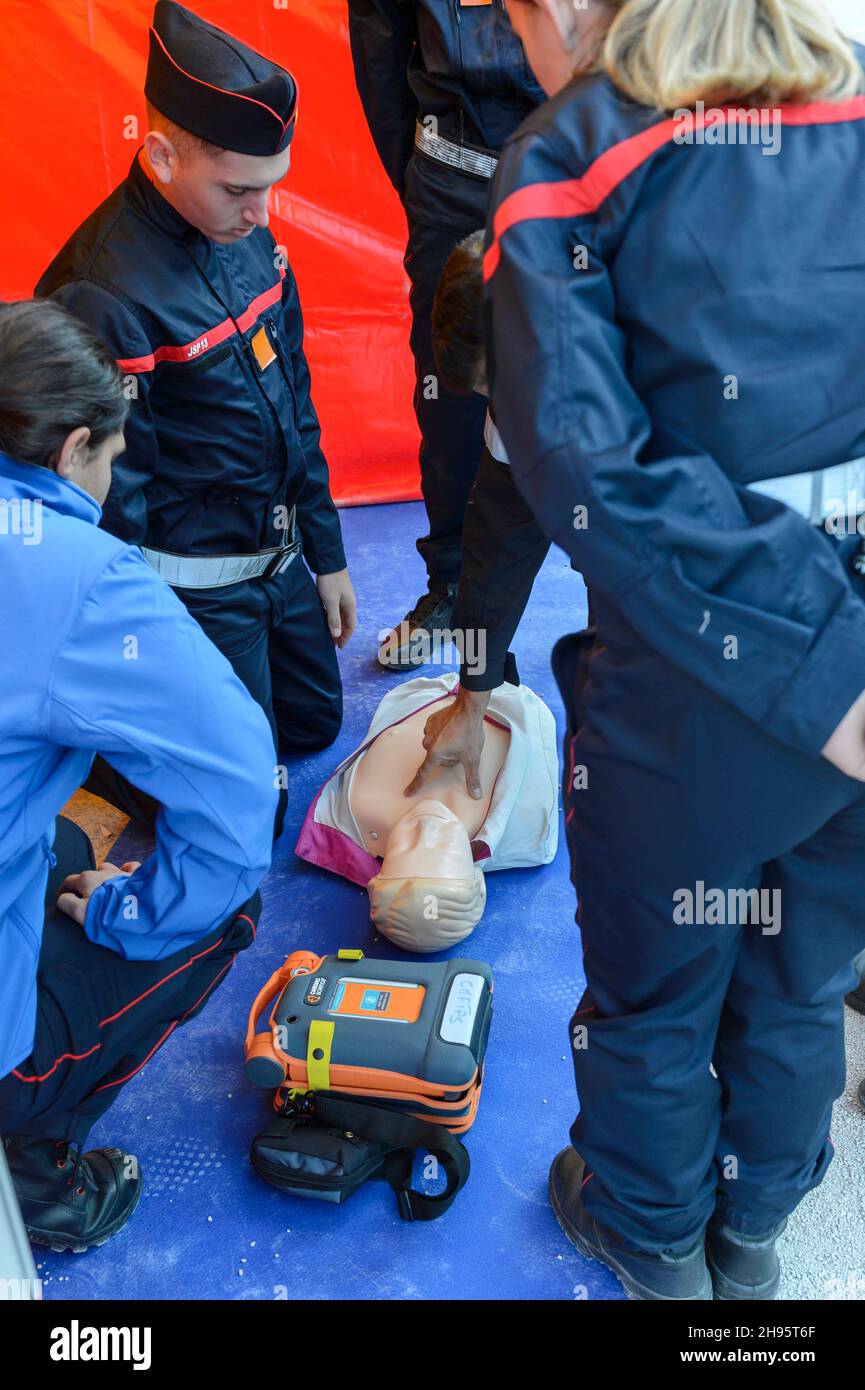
[407, 1036]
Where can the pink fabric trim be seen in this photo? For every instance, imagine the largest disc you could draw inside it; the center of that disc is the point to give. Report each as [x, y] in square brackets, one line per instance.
[331, 849]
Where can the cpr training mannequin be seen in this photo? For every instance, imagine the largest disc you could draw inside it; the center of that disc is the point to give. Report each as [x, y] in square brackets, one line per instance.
[428, 891]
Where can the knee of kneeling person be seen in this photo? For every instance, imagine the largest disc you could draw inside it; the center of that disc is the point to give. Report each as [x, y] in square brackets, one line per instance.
[310, 731]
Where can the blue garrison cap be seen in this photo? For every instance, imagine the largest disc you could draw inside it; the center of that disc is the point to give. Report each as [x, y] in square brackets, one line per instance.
[216, 87]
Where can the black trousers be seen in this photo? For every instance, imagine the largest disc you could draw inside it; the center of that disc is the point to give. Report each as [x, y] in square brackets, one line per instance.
[669, 791]
[274, 633]
[99, 1016]
[443, 205]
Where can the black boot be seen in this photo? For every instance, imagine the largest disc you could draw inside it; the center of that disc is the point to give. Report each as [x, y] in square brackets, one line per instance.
[670, 1275]
[415, 641]
[743, 1266]
[70, 1200]
[856, 998]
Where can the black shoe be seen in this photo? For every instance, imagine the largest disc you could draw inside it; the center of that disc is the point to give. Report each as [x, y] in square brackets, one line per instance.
[862, 1094]
[743, 1266]
[412, 642]
[69, 1200]
[679, 1275]
[856, 998]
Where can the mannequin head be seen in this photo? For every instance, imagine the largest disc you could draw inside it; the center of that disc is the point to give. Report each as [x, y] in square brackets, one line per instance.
[429, 893]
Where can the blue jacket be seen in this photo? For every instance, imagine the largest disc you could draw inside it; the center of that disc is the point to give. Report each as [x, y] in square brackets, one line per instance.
[669, 320]
[100, 656]
[217, 447]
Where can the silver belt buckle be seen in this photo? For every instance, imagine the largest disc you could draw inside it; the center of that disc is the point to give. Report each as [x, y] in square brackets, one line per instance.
[283, 558]
[280, 561]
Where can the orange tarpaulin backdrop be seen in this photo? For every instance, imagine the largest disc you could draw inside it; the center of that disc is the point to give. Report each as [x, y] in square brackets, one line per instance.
[71, 83]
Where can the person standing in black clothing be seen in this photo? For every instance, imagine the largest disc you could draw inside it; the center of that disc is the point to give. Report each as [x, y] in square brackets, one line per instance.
[443, 84]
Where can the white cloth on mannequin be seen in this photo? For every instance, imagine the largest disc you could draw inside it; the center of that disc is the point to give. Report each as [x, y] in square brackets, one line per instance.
[522, 825]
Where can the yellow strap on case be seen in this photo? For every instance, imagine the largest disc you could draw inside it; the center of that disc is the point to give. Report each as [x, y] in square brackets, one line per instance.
[349, 954]
[318, 1055]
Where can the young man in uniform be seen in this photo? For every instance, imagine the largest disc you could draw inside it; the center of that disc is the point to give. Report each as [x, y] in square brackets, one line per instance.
[443, 84]
[223, 482]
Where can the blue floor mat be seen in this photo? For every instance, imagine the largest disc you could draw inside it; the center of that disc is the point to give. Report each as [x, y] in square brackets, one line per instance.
[206, 1226]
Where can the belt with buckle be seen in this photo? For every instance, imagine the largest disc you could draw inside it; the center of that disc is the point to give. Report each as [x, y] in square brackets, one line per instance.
[467, 158]
[218, 571]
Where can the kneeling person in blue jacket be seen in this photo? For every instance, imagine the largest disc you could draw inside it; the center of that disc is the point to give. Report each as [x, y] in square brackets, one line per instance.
[102, 657]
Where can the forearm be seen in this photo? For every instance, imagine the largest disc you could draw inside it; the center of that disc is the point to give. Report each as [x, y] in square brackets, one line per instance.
[382, 34]
[320, 529]
[317, 517]
[502, 550]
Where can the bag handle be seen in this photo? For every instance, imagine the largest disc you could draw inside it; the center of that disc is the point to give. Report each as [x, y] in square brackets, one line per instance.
[298, 963]
[404, 1135]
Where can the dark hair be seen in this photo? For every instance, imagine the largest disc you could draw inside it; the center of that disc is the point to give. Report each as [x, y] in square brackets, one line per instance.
[55, 376]
[182, 139]
[457, 317]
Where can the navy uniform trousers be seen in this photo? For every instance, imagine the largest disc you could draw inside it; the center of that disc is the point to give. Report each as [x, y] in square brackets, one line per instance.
[99, 1016]
[667, 787]
[442, 205]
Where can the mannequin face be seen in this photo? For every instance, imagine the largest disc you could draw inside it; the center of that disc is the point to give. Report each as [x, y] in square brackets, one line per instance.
[429, 841]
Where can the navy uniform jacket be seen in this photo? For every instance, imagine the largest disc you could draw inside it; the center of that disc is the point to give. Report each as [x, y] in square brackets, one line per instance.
[215, 446]
[667, 323]
[462, 64]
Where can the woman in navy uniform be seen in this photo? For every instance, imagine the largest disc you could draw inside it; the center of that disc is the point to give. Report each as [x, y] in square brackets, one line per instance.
[443, 84]
[674, 309]
[223, 479]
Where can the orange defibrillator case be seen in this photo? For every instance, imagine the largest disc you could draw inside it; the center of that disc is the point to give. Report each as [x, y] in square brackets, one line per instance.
[409, 1036]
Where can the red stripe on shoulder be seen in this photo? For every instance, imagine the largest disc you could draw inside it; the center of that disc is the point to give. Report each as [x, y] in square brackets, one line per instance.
[824, 112]
[576, 197]
[585, 195]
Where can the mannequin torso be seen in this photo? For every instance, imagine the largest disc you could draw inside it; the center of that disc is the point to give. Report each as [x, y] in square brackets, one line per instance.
[380, 775]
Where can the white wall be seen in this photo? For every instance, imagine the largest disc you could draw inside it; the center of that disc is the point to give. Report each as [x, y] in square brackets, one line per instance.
[850, 14]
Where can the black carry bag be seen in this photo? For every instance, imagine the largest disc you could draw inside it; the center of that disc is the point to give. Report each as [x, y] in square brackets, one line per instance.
[326, 1147]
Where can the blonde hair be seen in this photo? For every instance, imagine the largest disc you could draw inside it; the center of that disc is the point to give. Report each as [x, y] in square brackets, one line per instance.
[427, 914]
[670, 54]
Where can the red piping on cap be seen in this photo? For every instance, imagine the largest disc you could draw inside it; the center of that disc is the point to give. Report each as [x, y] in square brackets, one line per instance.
[240, 95]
